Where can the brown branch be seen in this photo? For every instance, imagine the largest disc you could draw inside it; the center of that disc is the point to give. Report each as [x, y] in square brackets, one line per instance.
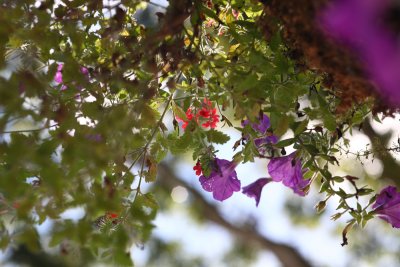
[287, 255]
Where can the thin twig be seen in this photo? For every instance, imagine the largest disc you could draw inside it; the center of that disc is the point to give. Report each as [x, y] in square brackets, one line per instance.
[29, 130]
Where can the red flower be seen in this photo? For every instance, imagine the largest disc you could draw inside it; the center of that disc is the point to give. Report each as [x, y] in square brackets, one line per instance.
[111, 215]
[197, 168]
[189, 117]
[207, 116]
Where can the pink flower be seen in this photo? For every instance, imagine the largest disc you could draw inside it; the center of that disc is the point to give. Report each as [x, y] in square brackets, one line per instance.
[210, 23]
[58, 77]
[235, 13]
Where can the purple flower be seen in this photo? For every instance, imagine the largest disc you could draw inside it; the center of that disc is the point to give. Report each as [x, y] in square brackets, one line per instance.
[58, 77]
[60, 67]
[387, 206]
[84, 71]
[262, 141]
[261, 127]
[288, 170]
[356, 23]
[253, 190]
[222, 181]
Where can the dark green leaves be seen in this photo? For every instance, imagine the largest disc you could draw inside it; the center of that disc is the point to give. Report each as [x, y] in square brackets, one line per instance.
[217, 137]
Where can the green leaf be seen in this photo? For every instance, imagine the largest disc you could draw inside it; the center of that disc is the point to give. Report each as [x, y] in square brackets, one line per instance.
[329, 122]
[311, 149]
[178, 111]
[324, 187]
[300, 127]
[285, 143]
[217, 137]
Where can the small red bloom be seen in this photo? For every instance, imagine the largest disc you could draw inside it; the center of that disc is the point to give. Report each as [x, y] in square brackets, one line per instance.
[206, 116]
[111, 215]
[204, 113]
[197, 168]
[189, 117]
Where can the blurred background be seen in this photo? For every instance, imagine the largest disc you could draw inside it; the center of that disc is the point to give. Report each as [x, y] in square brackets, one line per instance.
[192, 229]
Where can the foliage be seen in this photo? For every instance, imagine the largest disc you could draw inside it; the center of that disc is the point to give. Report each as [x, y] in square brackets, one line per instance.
[91, 139]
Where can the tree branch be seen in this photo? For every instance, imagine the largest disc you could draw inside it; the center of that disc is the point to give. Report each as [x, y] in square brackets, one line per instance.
[391, 168]
[287, 255]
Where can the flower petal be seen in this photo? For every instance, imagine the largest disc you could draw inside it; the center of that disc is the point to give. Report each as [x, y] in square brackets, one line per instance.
[254, 190]
[223, 181]
[58, 77]
[261, 127]
[387, 206]
[288, 170]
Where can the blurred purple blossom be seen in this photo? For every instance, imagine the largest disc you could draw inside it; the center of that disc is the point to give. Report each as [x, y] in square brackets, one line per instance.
[358, 23]
[84, 71]
[288, 170]
[94, 137]
[261, 127]
[58, 77]
[387, 206]
[222, 181]
[254, 189]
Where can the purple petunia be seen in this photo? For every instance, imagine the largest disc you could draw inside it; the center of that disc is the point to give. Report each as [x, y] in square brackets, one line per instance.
[222, 181]
[254, 189]
[58, 77]
[288, 170]
[387, 206]
[357, 23]
[262, 127]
